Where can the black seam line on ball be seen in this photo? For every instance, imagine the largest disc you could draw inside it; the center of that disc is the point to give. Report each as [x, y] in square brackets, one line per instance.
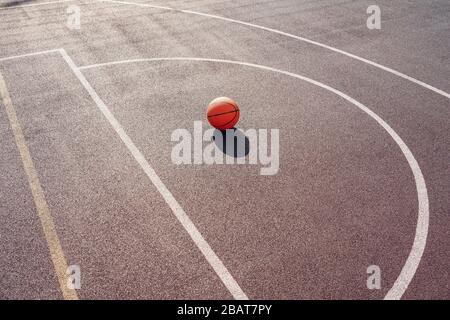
[237, 112]
[219, 114]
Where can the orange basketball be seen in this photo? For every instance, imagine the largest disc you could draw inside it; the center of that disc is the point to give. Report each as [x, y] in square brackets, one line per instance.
[223, 113]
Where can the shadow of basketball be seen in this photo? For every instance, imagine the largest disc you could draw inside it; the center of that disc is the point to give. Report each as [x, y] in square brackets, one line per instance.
[224, 142]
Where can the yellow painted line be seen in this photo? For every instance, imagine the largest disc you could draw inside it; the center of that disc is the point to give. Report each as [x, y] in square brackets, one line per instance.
[56, 252]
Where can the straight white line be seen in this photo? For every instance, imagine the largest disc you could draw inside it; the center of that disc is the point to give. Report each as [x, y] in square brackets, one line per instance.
[28, 55]
[350, 55]
[180, 214]
[421, 232]
[34, 4]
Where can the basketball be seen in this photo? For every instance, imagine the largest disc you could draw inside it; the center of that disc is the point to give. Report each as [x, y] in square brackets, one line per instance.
[223, 113]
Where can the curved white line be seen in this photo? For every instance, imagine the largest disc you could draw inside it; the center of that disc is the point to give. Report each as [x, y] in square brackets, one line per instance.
[248, 24]
[420, 238]
[350, 55]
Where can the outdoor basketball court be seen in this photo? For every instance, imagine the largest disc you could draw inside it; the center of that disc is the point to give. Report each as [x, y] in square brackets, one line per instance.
[360, 178]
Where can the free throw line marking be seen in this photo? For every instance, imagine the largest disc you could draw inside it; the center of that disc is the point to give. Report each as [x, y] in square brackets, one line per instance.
[215, 262]
[28, 55]
[56, 252]
[421, 232]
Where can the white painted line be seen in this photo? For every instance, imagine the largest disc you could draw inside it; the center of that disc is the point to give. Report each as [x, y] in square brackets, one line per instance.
[178, 211]
[28, 55]
[350, 55]
[420, 238]
[34, 4]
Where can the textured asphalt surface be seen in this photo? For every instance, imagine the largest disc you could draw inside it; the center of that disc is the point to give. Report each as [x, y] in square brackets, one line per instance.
[343, 199]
